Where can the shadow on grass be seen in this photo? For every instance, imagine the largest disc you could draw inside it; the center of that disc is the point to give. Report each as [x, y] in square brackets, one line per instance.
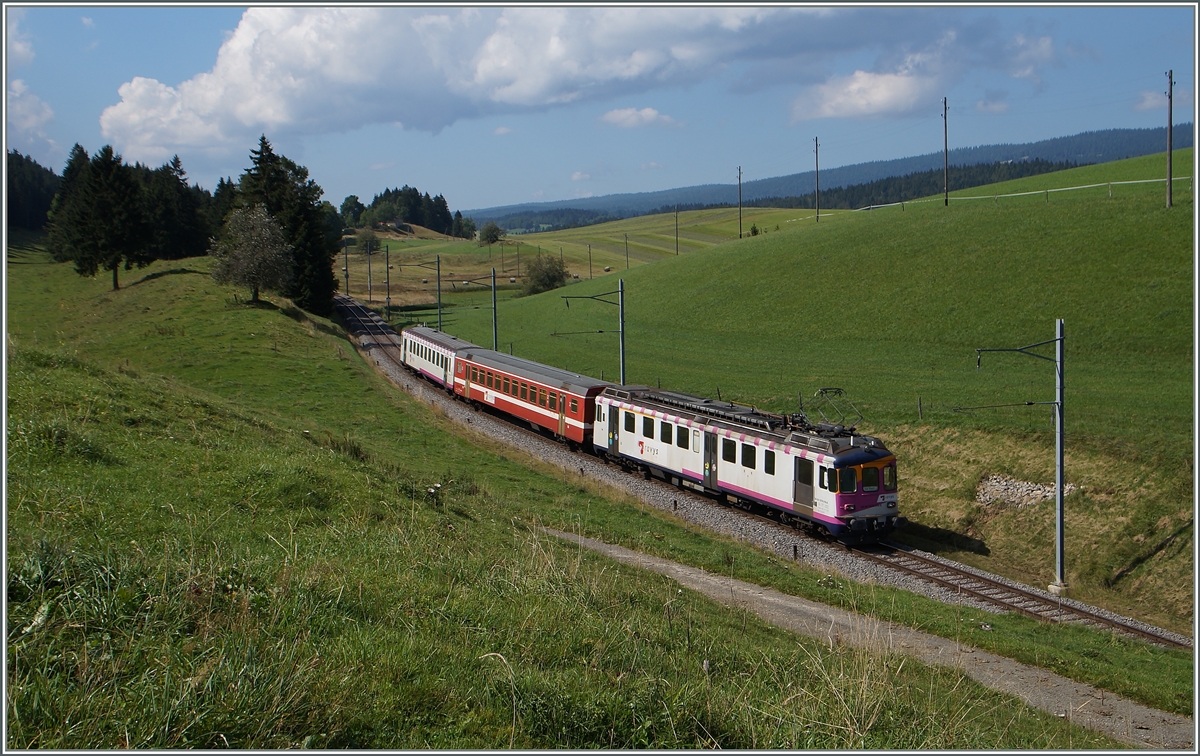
[1141, 559]
[161, 273]
[938, 540]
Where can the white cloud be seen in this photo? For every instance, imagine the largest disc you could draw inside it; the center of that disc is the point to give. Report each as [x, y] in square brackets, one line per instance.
[579, 176]
[26, 113]
[502, 130]
[863, 94]
[628, 118]
[87, 21]
[1029, 56]
[916, 81]
[304, 70]
[652, 166]
[1151, 101]
[18, 47]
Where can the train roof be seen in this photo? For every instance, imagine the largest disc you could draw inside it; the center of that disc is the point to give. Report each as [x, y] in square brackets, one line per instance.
[444, 340]
[534, 371]
[848, 446]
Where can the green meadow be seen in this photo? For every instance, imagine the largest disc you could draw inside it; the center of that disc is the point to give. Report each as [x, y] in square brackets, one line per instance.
[891, 304]
[226, 530]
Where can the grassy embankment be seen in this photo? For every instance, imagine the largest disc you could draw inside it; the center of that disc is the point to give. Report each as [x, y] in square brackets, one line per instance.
[188, 566]
[891, 304]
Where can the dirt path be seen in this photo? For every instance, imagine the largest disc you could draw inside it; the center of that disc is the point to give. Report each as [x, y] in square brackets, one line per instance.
[1083, 704]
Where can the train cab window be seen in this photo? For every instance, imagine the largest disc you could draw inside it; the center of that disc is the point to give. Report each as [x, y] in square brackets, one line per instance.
[665, 431]
[870, 479]
[769, 462]
[575, 407]
[729, 450]
[828, 479]
[681, 436]
[889, 478]
[553, 404]
[849, 480]
[630, 422]
[748, 455]
[696, 441]
[648, 427]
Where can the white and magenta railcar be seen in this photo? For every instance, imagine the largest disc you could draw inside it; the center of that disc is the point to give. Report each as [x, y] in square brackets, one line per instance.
[824, 477]
[432, 353]
[561, 402]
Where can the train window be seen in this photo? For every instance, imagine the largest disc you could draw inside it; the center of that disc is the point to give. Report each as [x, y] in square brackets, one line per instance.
[553, 404]
[474, 374]
[516, 387]
[804, 472]
[504, 384]
[575, 407]
[748, 455]
[648, 427]
[489, 379]
[828, 479]
[769, 462]
[630, 422]
[524, 390]
[849, 480]
[889, 478]
[665, 431]
[542, 396]
[681, 436]
[695, 440]
[729, 450]
[870, 478]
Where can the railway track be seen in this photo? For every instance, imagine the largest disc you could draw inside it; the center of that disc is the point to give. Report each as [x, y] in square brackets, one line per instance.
[1003, 595]
[383, 342]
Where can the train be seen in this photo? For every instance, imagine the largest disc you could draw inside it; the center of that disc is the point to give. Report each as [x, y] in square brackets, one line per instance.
[822, 477]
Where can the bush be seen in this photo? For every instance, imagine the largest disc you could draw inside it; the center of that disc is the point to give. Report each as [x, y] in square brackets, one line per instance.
[545, 272]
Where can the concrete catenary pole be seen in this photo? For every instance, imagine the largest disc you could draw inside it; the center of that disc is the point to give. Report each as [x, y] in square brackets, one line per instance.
[1170, 126]
[945, 153]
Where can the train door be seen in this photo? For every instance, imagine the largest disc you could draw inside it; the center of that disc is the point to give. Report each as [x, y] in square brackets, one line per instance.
[803, 487]
[710, 460]
[467, 381]
[562, 415]
[614, 429]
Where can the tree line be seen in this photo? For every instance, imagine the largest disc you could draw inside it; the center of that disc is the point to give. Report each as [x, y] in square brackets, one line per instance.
[407, 205]
[108, 215]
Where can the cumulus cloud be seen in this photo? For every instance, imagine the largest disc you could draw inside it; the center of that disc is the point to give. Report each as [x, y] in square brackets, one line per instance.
[629, 118]
[915, 82]
[1028, 56]
[579, 176]
[18, 46]
[26, 113]
[87, 21]
[502, 130]
[303, 70]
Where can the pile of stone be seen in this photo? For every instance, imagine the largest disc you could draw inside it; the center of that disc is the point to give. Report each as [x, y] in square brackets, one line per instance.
[1019, 493]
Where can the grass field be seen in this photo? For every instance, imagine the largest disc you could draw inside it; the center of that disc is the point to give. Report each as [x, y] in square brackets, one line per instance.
[891, 305]
[221, 532]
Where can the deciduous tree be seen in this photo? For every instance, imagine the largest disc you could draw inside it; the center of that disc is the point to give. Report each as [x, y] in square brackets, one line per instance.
[545, 272]
[252, 251]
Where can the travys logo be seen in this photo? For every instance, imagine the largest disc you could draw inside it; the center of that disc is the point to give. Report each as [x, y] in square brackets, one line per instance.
[641, 447]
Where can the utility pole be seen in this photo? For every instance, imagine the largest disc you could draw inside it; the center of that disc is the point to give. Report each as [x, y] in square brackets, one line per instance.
[1059, 587]
[945, 153]
[817, 177]
[589, 262]
[368, 272]
[439, 281]
[677, 230]
[346, 264]
[1170, 125]
[626, 251]
[621, 307]
[739, 206]
[495, 348]
[387, 264]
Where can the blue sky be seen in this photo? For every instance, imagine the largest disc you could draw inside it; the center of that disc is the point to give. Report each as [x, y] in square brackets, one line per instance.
[493, 105]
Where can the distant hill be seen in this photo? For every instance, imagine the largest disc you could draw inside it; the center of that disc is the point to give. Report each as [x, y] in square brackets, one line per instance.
[1087, 147]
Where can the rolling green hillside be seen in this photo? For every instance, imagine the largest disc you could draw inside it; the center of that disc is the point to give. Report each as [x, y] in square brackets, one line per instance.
[224, 530]
[891, 304]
